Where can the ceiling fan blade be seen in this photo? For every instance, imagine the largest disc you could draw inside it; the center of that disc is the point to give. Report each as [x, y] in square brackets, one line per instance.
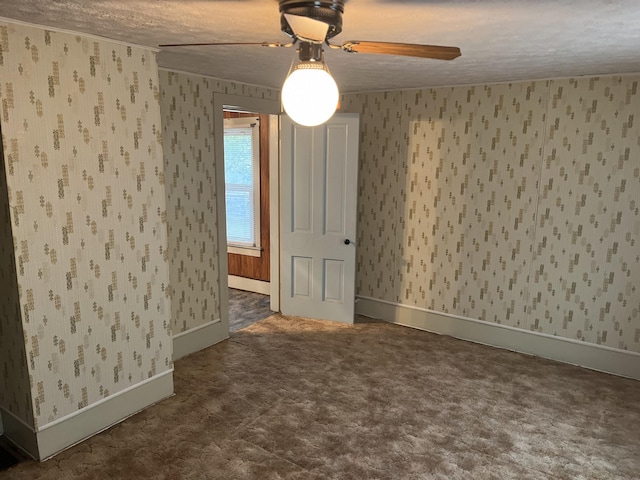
[263, 44]
[307, 28]
[406, 49]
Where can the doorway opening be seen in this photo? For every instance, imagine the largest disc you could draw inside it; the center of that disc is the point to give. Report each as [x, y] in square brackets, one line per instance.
[248, 220]
[251, 265]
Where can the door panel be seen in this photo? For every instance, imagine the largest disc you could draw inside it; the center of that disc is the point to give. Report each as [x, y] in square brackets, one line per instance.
[336, 180]
[302, 273]
[333, 281]
[302, 174]
[319, 196]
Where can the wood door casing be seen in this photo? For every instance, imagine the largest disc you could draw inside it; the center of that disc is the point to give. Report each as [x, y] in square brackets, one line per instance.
[257, 268]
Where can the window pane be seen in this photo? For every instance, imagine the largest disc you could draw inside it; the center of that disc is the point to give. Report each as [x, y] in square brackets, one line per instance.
[241, 183]
[239, 214]
[238, 156]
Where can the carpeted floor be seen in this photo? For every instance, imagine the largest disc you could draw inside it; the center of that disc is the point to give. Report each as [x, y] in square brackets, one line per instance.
[295, 399]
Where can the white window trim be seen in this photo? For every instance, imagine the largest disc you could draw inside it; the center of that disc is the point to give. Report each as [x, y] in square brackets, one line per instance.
[238, 247]
[247, 251]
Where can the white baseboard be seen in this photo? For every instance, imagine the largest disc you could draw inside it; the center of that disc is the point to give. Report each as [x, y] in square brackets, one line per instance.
[67, 431]
[595, 357]
[198, 338]
[250, 285]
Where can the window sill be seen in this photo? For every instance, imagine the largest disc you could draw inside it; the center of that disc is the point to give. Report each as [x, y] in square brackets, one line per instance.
[248, 251]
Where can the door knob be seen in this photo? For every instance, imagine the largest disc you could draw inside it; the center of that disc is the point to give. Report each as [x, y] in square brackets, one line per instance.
[347, 241]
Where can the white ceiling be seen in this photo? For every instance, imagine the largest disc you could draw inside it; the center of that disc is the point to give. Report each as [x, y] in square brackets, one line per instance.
[501, 40]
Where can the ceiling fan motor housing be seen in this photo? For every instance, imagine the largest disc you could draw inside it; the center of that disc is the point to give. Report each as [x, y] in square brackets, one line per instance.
[327, 11]
[310, 52]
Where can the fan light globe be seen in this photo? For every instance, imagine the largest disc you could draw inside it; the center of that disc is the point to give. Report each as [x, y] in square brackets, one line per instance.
[310, 94]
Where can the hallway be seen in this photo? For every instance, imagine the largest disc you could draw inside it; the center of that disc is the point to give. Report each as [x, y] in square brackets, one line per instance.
[246, 308]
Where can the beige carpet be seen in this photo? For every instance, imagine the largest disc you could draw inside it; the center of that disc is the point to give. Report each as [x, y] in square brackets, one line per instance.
[289, 398]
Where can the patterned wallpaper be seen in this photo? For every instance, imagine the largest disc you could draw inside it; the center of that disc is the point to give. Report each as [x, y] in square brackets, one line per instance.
[586, 259]
[15, 393]
[187, 108]
[462, 143]
[187, 123]
[381, 146]
[510, 203]
[82, 138]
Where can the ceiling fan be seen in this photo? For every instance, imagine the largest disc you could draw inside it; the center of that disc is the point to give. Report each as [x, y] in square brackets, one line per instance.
[311, 24]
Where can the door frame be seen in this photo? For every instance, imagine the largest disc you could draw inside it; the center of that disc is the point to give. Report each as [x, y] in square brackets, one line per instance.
[222, 101]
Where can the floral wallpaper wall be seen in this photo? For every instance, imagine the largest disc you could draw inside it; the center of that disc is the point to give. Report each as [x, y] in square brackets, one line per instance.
[83, 156]
[512, 203]
[187, 122]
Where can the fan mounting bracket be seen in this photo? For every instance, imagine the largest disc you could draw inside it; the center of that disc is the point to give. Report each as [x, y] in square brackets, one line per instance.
[327, 11]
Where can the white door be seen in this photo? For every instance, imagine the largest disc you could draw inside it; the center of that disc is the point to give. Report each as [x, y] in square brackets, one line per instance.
[318, 233]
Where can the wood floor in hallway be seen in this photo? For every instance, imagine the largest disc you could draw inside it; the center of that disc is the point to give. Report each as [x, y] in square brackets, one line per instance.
[246, 308]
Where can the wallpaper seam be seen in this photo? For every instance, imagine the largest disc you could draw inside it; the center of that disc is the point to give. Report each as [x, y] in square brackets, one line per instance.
[534, 236]
[398, 255]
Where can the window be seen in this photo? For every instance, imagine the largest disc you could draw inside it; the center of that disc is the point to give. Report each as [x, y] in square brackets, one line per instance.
[242, 181]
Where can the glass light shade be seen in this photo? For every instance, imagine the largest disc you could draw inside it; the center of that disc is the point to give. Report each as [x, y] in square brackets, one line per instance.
[310, 94]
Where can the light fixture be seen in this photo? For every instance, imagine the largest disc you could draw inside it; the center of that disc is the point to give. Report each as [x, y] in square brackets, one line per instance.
[310, 94]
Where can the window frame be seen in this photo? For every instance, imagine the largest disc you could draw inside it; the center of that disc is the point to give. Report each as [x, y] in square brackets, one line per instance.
[253, 122]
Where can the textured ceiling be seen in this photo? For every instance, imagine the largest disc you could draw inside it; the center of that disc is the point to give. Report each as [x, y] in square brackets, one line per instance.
[501, 40]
